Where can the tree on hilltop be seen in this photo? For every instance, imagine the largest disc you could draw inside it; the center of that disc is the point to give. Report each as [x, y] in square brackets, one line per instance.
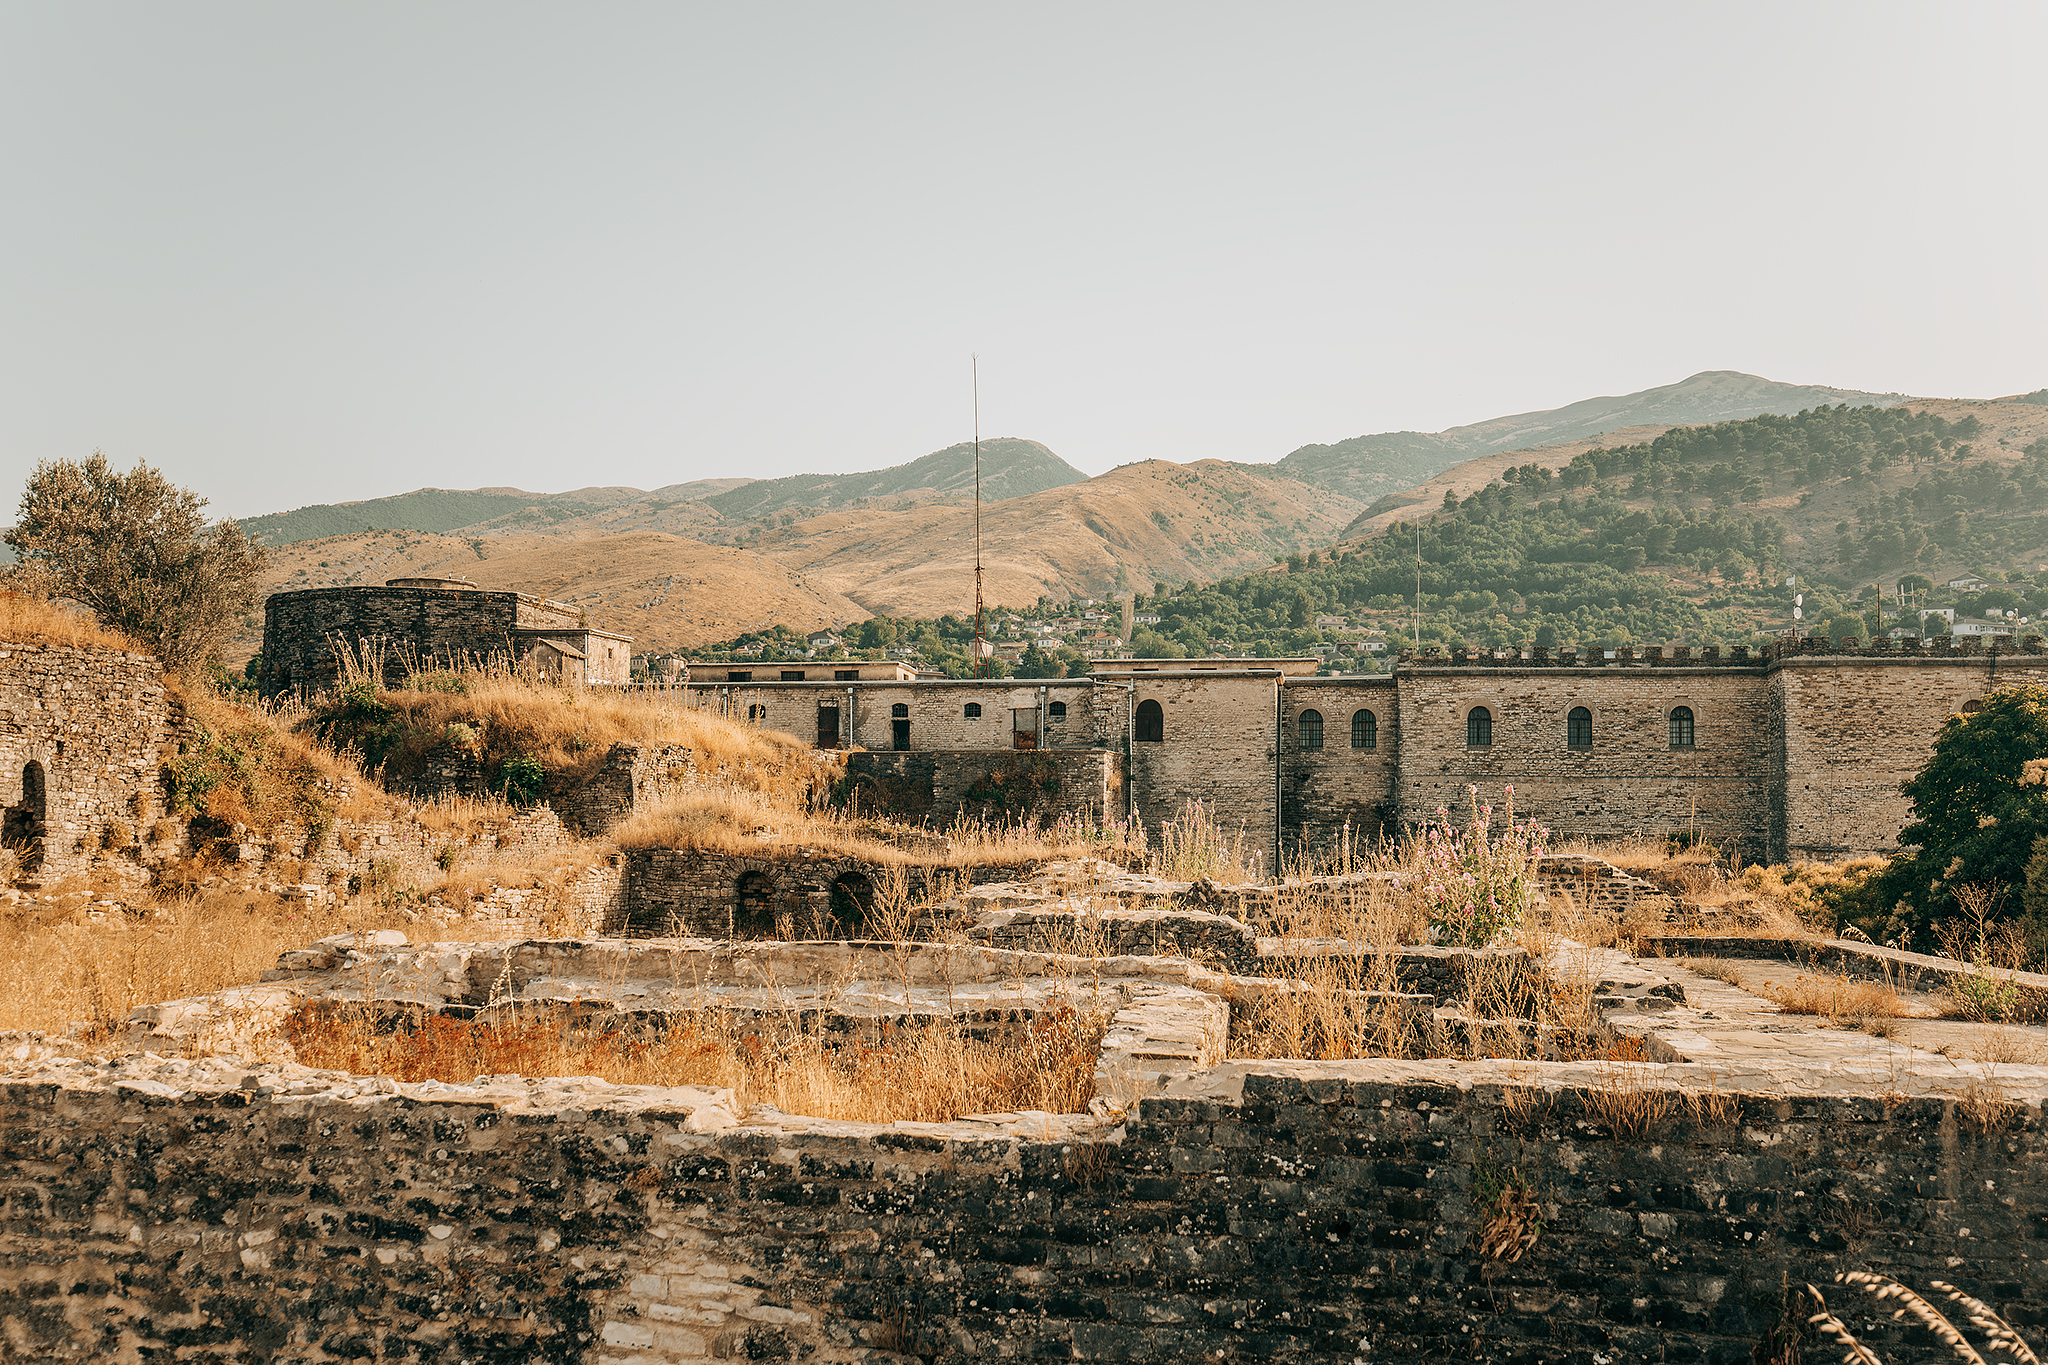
[137, 549]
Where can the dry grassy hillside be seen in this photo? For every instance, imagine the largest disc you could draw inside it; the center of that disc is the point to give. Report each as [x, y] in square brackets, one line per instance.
[665, 591]
[1133, 526]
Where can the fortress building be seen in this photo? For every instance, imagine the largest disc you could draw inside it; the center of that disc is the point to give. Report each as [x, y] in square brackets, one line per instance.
[1793, 752]
[430, 622]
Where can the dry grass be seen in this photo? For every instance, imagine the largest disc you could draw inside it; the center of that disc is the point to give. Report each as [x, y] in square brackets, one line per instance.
[1841, 1000]
[59, 966]
[1194, 845]
[500, 715]
[28, 618]
[926, 1073]
[246, 765]
[1995, 1046]
[733, 820]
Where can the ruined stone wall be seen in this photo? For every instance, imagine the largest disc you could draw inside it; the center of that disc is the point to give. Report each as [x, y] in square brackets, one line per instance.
[1852, 727]
[1630, 781]
[1328, 1214]
[937, 785]
[697, 892]
[435, 625]
[97, 724]
[1338, 785]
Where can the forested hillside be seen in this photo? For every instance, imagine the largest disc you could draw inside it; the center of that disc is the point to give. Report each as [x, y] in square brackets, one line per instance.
[1686, 538]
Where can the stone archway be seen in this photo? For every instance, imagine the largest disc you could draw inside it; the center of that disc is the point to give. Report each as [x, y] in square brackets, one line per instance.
[853, 896]
[753, 906]
[24, 822]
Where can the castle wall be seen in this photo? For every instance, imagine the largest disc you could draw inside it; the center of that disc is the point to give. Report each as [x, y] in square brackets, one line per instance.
[1326, 790]
[1331, 1212]
[935, 786]
[937, 711]
[97, 724]
[1216, 747]
[1629, 781]
[1850, 728]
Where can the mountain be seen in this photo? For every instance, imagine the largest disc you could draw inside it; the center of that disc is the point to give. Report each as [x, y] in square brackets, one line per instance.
[1149, 522]
[1010, 468]
[1366, 466]
[665, 591]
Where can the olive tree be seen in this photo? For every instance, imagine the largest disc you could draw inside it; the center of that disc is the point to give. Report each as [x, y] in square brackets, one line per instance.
[138, 550]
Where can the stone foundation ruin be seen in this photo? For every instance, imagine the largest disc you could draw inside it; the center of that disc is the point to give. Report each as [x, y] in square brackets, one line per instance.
[180, 1196]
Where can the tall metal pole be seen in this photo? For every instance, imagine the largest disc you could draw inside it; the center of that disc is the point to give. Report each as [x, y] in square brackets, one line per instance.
[980, 612]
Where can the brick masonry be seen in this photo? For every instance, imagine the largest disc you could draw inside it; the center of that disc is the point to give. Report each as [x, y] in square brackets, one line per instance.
[1329, 1212]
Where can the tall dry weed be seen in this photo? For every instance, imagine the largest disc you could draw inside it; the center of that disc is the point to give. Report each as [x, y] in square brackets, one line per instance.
[927, 1072]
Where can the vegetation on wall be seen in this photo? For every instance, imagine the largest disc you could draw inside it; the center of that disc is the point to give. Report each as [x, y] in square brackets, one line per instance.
[1976, 847]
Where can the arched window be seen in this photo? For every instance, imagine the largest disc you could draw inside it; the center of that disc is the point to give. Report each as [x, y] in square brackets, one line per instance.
[1310, 725]
[899, 727]
[1681, 727]
[1365, 730]
[1479, 728]
[757, 713]
[973, 711]
[1056, 711]
[1151, 723]
[1578, 728]
[899, 711]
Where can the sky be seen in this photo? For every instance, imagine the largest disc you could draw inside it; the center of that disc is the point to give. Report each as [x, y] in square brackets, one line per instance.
[304, 253]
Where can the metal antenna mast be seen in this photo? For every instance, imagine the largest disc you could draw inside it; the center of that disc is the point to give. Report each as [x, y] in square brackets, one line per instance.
[980, 612]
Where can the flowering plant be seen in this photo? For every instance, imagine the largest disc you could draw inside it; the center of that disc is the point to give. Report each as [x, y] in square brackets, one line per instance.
[1477, 882]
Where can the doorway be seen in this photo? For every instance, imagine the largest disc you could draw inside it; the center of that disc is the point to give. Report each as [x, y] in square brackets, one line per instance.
[23, 827]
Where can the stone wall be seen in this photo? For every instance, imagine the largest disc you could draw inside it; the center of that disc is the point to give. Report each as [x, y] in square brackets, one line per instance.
[935, 786]
[1631, 780]
[1851, 728]
[1325, 1212]
[1338, 790]
[433, 627]
[92, 727]
[862, 713]
[1216, 746]
[806, 892]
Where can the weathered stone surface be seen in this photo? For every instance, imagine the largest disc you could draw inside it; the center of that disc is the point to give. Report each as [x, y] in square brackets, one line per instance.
[1309, 1212]
[90, 728]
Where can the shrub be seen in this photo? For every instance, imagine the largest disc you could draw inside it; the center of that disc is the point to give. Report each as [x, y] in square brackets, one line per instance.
[1478, 881]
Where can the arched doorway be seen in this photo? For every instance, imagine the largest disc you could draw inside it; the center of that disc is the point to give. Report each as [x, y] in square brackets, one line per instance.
[853, 896]
[1150, 723]
[24, 822]
[753, 906]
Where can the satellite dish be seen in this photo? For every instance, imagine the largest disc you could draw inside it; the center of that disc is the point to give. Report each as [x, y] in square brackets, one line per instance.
[1799, 599]
[1797, 614]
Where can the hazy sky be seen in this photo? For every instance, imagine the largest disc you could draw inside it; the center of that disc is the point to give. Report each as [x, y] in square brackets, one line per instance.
[296, 253]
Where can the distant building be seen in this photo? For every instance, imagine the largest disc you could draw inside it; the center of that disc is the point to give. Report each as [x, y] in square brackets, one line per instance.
[832, 670]
[1968, 582]
[411, 624]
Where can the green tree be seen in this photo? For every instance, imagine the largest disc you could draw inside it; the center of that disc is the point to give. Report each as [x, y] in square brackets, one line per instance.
[137, 549]
[1036, 663]
[1979, 806]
